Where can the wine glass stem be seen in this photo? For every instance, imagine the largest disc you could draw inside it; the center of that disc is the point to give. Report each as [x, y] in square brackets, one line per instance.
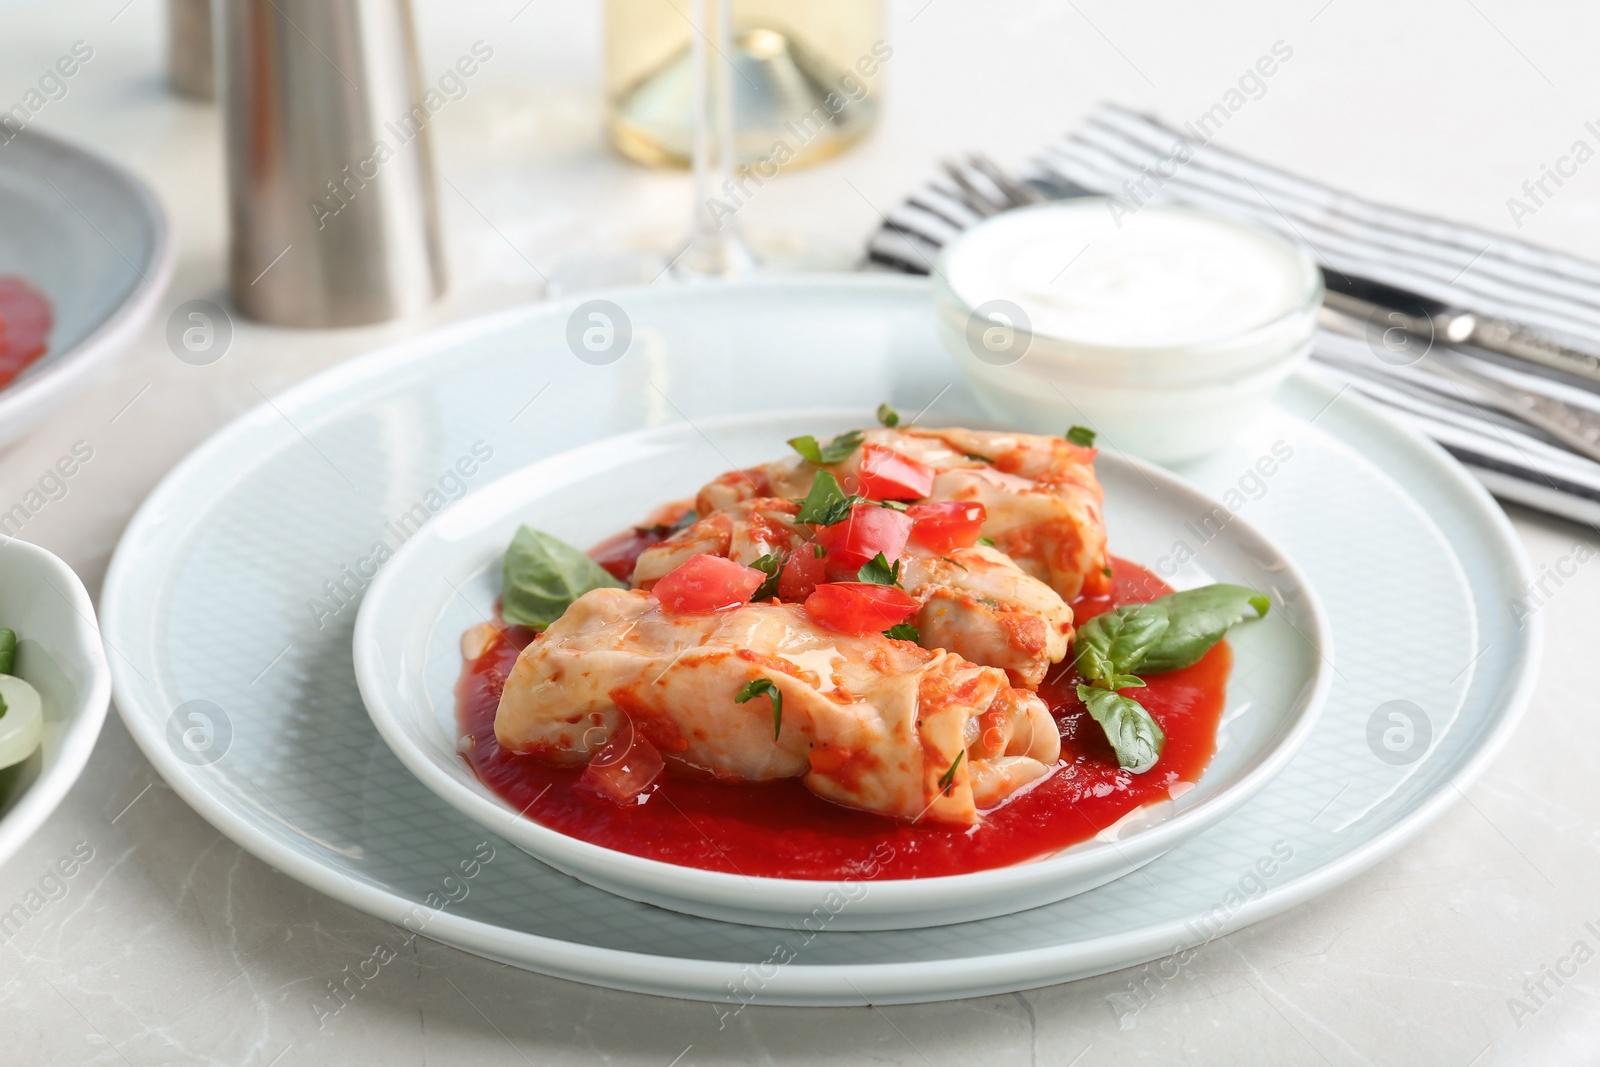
[716, 248]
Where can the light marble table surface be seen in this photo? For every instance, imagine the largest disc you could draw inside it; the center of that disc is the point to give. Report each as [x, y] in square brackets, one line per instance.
[173, 946]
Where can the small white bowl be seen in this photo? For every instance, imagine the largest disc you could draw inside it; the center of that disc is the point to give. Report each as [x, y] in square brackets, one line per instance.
[446, 577]
[1164, 397]
[60, 654]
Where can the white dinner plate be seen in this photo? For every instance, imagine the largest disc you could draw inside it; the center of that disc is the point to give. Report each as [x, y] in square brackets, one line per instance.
[59, 654]
[232, 601]
[446, 578]
[90, 236]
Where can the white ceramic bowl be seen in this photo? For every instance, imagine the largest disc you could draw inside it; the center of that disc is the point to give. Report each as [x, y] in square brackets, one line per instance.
[445, 579]
[59, 653]
[1168, 403]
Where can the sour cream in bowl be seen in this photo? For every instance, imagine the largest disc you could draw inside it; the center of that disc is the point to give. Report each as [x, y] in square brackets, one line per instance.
[1163, 329]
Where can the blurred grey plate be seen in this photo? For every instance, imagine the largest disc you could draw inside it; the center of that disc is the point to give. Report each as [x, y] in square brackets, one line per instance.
[233, 595]
[91, 237]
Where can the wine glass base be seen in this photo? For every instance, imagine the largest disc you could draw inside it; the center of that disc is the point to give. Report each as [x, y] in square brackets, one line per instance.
[770, 252]
[605, 270]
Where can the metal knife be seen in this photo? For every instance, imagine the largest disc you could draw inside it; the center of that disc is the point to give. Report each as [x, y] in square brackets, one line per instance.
[1577, 428]
[1427, 319]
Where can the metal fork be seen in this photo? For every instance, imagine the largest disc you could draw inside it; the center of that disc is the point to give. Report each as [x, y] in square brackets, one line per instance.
[1007, 192]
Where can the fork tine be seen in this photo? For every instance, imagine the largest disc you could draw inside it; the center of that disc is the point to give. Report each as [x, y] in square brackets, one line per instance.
[985, 166]
[1019, 193]
[981, 203]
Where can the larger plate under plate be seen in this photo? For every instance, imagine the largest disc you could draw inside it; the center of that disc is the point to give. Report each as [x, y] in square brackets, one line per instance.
[233, 595]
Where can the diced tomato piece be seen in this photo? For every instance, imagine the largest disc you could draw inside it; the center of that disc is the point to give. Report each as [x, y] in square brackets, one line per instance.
[702, 584]
[624, 768]
[25, 321]
[868, 530]
[885, 474]
[860, 608]
[948, 524]
[803, 572]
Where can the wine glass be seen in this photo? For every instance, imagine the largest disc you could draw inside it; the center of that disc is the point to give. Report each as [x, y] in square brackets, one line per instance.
[715, 246]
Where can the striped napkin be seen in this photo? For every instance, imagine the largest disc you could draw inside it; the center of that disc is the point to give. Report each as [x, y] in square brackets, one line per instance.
[1139, 160]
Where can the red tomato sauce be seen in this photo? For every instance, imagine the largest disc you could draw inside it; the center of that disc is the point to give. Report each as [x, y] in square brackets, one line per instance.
[781, 829]
[25, 321]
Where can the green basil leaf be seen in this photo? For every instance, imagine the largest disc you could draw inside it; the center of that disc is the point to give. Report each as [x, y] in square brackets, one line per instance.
[835, 451]
[888, 416]
[772, 567]
[827, 503]
[1113, 644]
[543, 575]
[754, 688]
[878, 572]
[1135, 737]
[1197, 620]
[1081, 436]
[903, 631]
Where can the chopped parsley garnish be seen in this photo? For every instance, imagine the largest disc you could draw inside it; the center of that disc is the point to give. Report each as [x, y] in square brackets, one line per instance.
[754, 688]
[954, 562]
[827, 503]
[948, 778]
[877, 571]
[903, 631]
[986, 542]
[772, 567]
[1081, 436]
[1106, 571]
[980, 459]
[888, 416]
[835, 451]
[817, 551]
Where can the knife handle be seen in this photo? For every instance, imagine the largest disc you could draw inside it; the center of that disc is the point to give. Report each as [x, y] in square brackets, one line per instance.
[1496, 335]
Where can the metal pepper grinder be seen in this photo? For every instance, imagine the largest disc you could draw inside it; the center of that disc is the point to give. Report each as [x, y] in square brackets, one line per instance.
[189, 49]
[330, 175]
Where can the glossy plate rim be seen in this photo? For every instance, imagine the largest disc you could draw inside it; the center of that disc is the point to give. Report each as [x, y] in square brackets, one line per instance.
[890, 903]
[799, 984]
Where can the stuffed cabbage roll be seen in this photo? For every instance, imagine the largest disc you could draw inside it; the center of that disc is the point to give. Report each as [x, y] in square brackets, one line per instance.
[869, 722]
